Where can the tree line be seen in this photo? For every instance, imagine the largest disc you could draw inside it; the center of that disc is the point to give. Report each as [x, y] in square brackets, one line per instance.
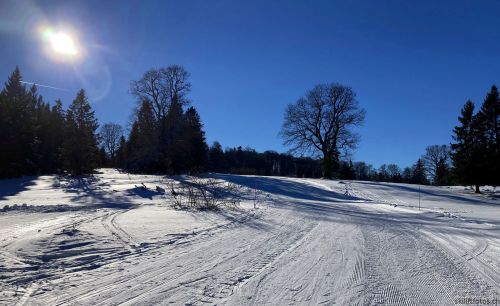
[270, 163]
[473, 158]
[39, 138]
[323, 121]
[166, 136]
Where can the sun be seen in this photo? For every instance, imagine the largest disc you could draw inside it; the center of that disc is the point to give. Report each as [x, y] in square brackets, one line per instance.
[63, 43]
[60, 44]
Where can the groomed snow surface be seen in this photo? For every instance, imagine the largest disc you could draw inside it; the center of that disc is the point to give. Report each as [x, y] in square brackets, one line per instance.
[107, 240]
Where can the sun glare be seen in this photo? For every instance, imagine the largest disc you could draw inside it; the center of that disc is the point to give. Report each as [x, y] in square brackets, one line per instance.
[63, 43]
[60, 43]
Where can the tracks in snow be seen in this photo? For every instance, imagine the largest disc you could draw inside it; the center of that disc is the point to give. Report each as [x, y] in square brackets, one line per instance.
[404, 267]
[298, 253]
[108, 221]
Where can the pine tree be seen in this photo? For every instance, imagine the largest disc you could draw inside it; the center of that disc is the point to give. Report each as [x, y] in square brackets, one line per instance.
[172, 146]
[56, 140]
[347, 170]
[80, 144]
[142, 147]
[407, 175]
[419, 176]
[488, 129]
[194, 136]
[216, 158]
[19, 118]
[466, 155]
[121, 154]
[442, 175]
[5, 140]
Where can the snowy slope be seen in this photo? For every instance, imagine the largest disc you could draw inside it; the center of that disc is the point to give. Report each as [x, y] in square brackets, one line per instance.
[108, 241]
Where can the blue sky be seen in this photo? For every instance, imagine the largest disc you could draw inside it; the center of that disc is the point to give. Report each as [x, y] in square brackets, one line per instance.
[412, 64]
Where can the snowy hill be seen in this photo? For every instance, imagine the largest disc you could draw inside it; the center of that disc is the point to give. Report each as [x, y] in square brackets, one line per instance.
[116, 239]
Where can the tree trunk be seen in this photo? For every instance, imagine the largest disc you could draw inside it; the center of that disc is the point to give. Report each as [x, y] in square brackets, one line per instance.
[327, 165]
[477, 189]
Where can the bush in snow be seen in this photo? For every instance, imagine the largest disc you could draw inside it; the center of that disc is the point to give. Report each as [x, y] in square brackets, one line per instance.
[204, 194]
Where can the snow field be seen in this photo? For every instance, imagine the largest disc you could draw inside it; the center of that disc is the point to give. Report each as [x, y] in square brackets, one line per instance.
[112, 242]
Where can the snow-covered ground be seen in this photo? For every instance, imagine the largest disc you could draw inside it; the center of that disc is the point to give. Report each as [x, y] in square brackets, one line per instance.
[107, 240]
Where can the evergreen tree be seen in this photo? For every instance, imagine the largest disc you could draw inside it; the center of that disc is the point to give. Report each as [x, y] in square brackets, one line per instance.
[18, 120]
[56, 136]
[80, 150]
[347, 171]
[5, 140]
[121, 156]
[419, 176]
[442, 175]
[142, 147]
[172, 144]
[216, 158]
[488, 130]
[466, 155]
[197, 149]
[102, 158]
[407, 175]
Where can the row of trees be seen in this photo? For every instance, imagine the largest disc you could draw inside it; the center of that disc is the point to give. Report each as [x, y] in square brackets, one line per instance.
[415, 174]
[322, 123]
[248, 161]
[472, 159]
[167, 136]
[40, 138]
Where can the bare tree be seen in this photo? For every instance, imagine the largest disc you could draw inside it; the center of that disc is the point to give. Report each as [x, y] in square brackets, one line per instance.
[110, 135]
[321, 124]
[394, 173]
[435, 157]
[160, 86]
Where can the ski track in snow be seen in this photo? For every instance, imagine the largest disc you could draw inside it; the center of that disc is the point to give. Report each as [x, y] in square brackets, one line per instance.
[312, 246]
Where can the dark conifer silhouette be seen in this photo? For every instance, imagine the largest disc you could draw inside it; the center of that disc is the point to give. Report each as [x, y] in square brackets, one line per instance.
[80, 152]
[19, 143]
[488, 132]
[476, 150]
[197, 149]
[419, 175]
[142, 147]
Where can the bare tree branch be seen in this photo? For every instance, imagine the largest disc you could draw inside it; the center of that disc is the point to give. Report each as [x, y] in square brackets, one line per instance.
[321, 123]
[160, 86]
[110, 135]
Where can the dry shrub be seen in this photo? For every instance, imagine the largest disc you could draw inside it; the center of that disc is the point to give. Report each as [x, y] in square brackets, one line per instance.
[202, 193]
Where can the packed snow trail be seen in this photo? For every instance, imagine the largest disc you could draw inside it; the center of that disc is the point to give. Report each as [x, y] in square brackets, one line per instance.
[306, 244]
